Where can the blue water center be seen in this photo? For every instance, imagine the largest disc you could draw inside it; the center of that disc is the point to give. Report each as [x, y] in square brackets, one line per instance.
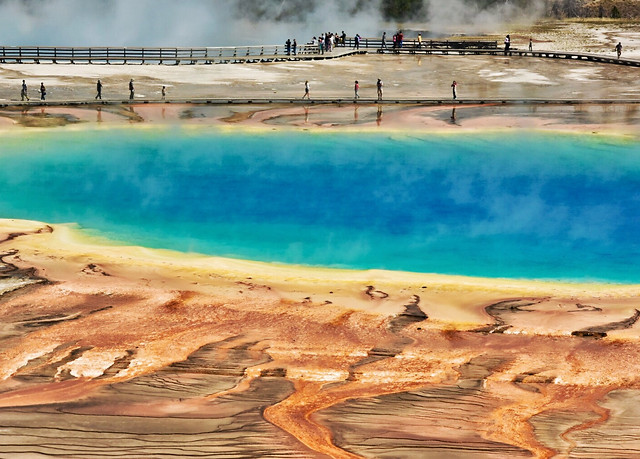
[519, 204]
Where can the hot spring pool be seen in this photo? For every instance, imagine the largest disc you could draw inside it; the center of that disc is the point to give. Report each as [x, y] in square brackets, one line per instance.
[518, 205]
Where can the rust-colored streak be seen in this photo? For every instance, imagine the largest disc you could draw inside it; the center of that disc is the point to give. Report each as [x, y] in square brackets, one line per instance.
[588, 402]
[293, 416]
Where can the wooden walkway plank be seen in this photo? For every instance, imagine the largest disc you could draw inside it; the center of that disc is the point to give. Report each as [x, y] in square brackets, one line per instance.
[326, 101]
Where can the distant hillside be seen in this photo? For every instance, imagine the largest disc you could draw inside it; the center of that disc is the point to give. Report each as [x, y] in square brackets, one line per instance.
[422, 9]
[615, 9]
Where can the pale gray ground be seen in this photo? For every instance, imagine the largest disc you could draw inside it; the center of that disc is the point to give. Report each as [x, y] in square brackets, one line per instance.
[403, 76]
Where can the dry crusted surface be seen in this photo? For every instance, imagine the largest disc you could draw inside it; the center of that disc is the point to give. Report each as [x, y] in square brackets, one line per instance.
[122, 351]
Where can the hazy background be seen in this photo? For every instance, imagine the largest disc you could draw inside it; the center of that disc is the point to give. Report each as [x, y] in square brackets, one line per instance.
[237, 22]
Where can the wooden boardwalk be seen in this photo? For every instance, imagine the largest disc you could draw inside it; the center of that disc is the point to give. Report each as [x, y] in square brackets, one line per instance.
[167, 56]
[278, 53]
[324, 101]
[568, 55]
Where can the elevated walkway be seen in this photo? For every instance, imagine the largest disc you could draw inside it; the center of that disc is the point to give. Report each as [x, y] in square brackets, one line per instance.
[575, 56]
[168, 56]
[326, 101]
[279, 53]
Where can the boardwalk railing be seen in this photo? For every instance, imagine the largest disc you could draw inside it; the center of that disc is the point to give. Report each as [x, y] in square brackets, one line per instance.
[569, 55]
[376, 43]
[275, 53]
[202, 55]
[139, 55]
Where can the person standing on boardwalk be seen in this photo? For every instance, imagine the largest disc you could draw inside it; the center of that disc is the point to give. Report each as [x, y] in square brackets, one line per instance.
[43, 91]
[530, 44]
[131, 89]
[507, 44]
[99, 89]
[454, 88]
[379, 86]
[23, 91]
[295, 46]
[419, 40]
[356, 88]
[287, 45]
[619, 49]
[306, 90]
[384, 41]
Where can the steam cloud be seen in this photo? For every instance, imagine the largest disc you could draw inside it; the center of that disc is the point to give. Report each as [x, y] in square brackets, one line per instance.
[241, 22]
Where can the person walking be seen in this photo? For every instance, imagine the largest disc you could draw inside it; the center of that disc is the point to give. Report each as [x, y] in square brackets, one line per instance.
[294, 46]
[419, 40]
[379, 86]
[507, 44]
[619, 49]
[43, 91]
[23, 91]
[356, 88]
[384, 41]
[131, 89]
[357, 41]
[454, 89]
[164, 93]
[530, 44]
[99, 90]
[306, 90]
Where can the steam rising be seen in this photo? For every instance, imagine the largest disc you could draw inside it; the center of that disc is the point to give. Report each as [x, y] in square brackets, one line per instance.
[241, 22]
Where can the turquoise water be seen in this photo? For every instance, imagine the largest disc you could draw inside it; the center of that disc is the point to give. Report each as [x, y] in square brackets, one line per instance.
[519, 205]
